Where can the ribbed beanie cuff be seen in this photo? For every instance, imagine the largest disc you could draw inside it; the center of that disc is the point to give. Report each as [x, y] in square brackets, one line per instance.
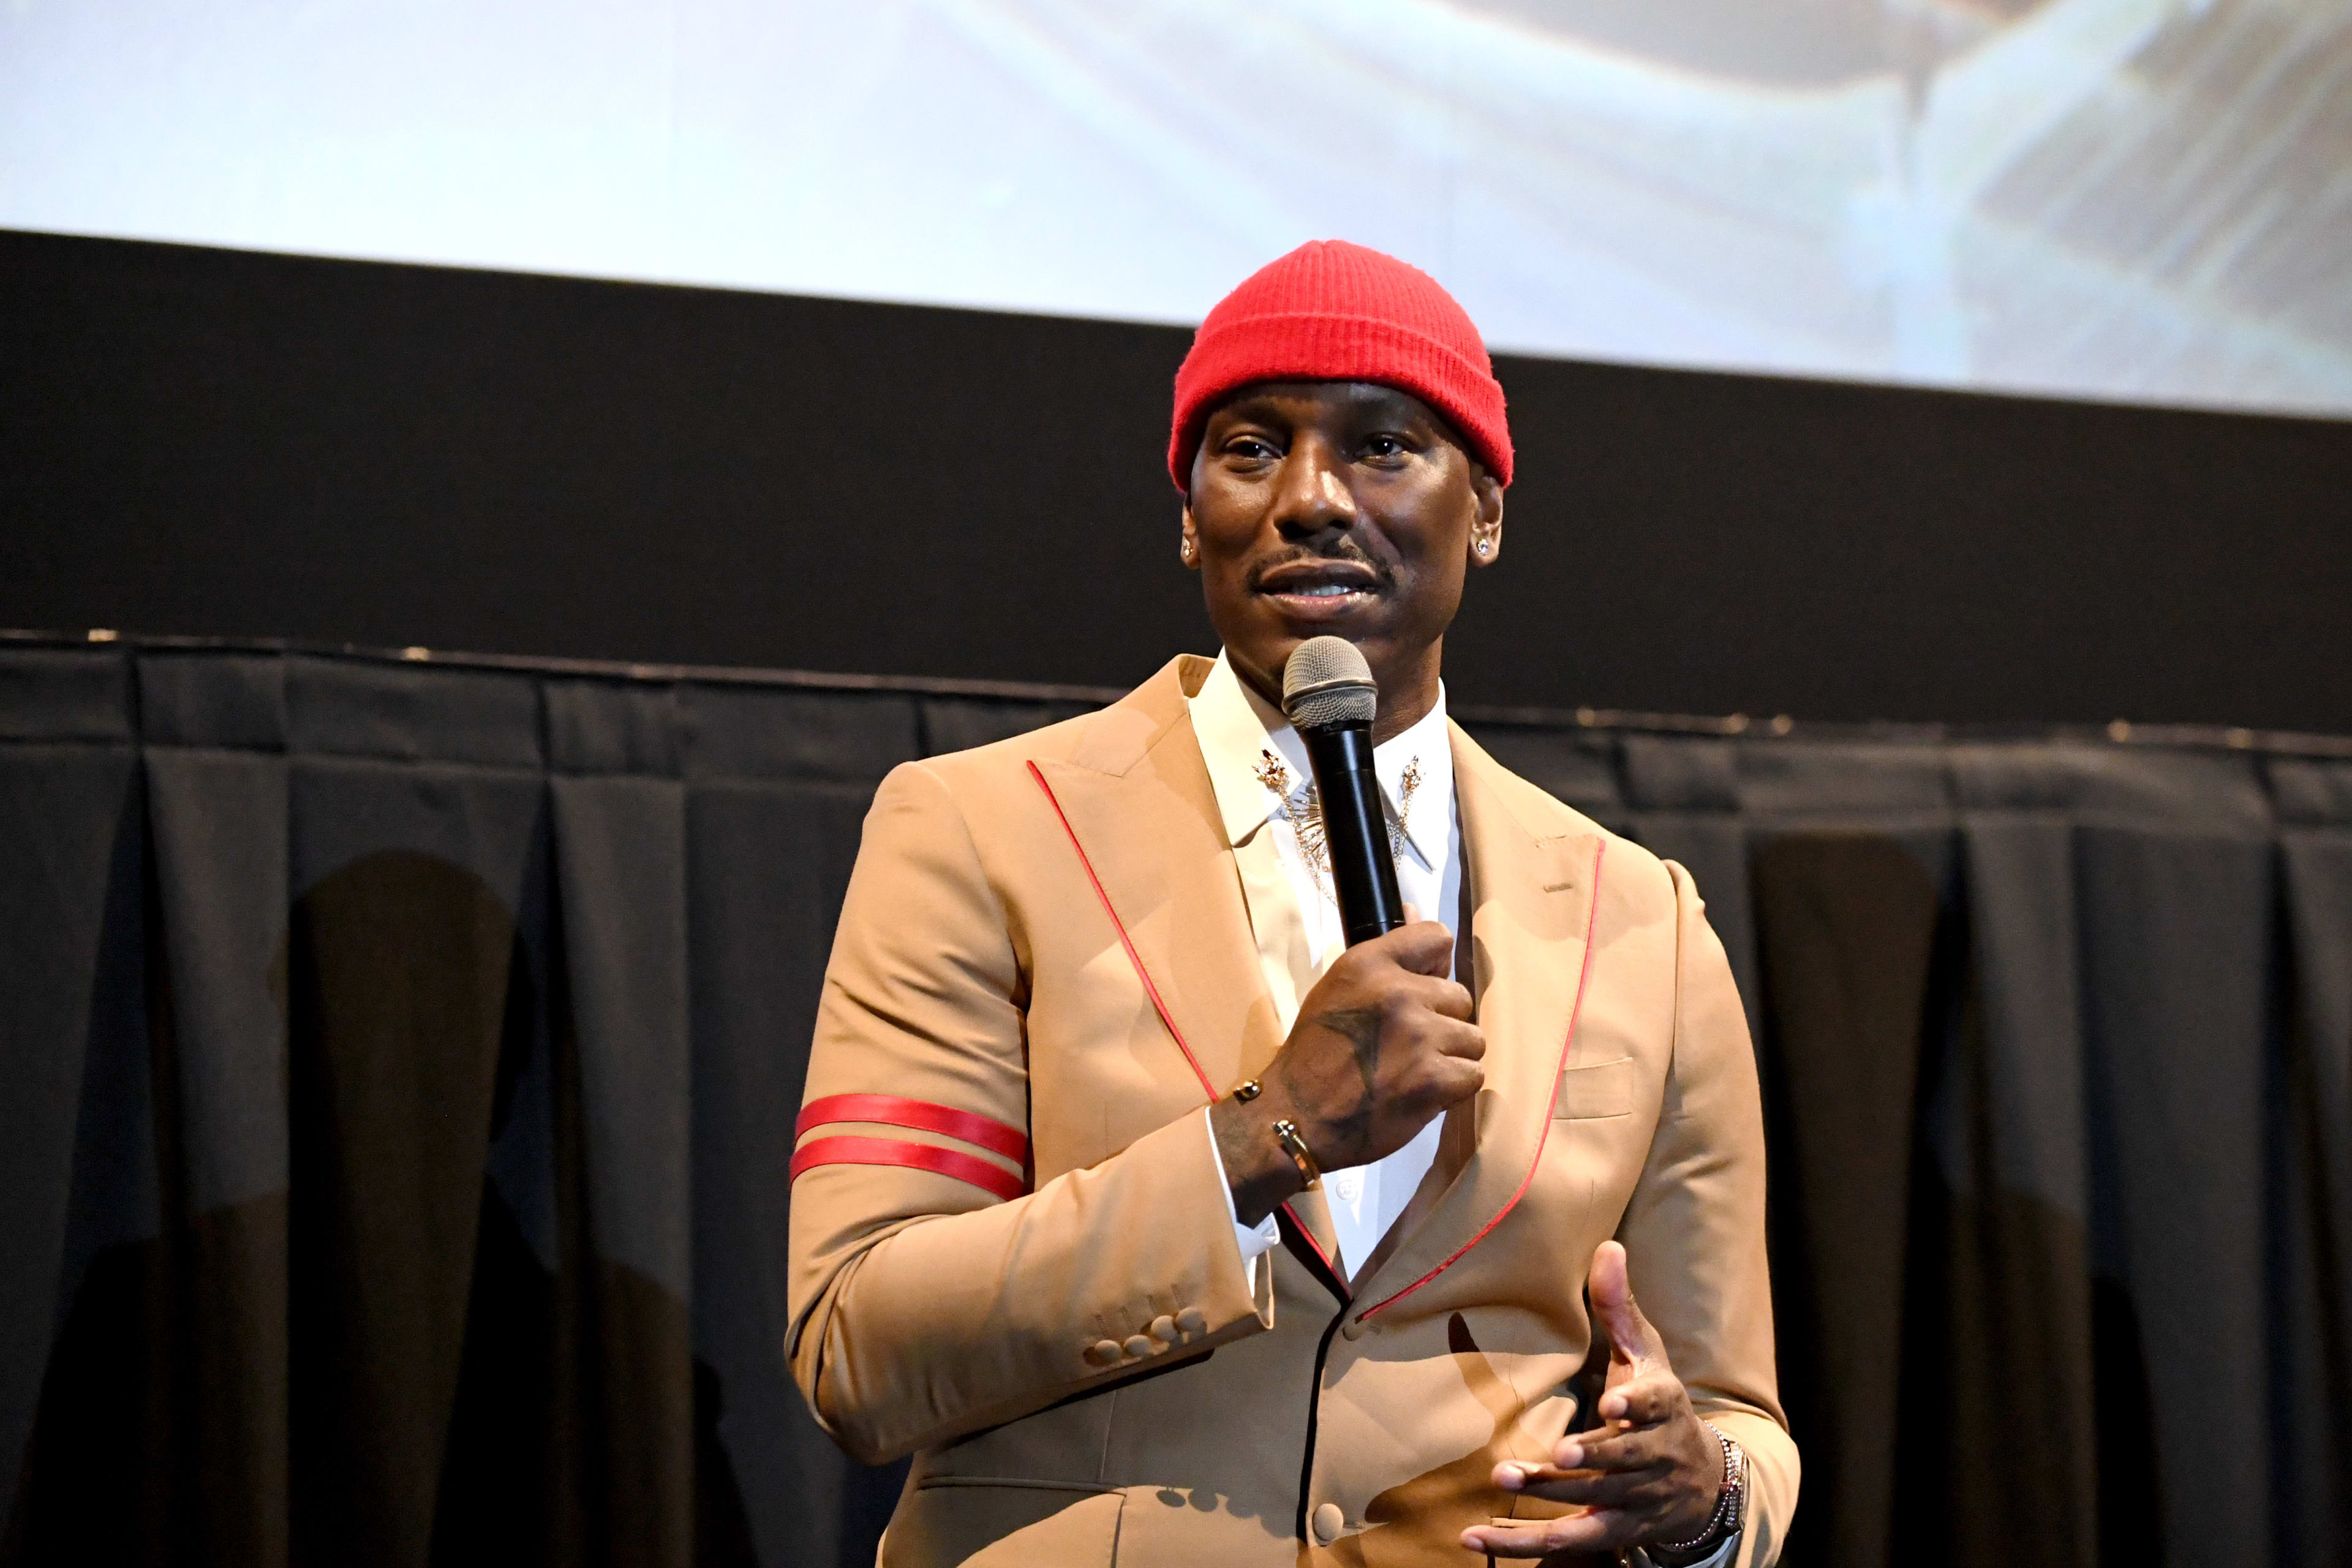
[1331, 311]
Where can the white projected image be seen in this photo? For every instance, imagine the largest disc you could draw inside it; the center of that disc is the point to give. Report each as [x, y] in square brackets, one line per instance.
[2138, 199]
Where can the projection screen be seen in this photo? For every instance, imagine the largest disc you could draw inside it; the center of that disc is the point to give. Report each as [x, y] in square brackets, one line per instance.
[2148, 200]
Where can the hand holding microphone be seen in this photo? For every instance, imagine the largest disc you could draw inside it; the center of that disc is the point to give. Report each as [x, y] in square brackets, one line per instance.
[1384, 1041]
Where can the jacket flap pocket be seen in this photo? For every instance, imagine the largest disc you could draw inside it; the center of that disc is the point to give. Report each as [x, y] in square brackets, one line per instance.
[1003, 1524]
[1603, 1088]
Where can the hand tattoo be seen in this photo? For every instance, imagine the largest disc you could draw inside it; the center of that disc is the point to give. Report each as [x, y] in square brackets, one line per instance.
[1361, 1025]
[1350, 1130]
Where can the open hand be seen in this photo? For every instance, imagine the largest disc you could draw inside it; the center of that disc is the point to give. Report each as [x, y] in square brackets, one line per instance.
[1649, 1474]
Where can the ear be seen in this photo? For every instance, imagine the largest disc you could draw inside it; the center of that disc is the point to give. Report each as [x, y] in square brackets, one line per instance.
[1486, 517]
[1188, 545]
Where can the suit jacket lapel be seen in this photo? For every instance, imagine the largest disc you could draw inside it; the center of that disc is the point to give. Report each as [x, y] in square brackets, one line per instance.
[1147, 820]
[1532, 900]
[1142, 805]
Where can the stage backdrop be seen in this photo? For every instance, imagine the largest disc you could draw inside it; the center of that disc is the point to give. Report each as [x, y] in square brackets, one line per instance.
[401, 1061]
[228, 445]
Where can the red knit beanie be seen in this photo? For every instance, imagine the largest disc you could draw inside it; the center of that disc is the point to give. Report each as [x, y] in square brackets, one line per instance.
[1331, 311]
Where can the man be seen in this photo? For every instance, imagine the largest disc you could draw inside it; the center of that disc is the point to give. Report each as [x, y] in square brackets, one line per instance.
[1339, 1315]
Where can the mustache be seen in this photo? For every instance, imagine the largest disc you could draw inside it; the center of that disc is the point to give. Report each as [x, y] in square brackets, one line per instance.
[1343, 554]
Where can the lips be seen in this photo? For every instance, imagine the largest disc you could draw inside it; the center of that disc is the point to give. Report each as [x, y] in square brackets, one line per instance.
[1319, 590]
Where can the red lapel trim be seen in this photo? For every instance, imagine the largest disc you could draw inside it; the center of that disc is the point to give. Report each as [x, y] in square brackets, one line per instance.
[1167, 1018]
[1120, 926]
[1330, 1275]
[1591, 934]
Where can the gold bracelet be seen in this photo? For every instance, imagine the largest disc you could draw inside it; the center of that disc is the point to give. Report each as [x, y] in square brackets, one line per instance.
[1285, 1132]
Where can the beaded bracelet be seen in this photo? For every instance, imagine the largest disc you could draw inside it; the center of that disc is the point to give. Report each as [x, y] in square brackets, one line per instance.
[1725, 1517]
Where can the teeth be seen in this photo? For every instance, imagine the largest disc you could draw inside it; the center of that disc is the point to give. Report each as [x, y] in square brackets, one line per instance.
[1324, 591]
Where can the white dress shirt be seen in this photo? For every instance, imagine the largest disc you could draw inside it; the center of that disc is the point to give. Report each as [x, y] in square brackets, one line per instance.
[1294, 915]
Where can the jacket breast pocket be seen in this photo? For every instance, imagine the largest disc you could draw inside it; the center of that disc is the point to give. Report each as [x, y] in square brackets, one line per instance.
[1596, 1090]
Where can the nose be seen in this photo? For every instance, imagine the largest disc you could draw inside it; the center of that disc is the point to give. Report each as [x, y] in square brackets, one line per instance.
[1311, 495]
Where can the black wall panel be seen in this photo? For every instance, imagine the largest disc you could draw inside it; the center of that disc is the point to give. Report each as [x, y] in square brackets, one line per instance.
[204, 441]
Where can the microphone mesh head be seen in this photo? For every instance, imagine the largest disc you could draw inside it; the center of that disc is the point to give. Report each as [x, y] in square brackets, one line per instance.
[1328, 683]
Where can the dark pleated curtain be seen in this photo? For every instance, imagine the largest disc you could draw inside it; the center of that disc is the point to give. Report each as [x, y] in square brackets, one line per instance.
[398, 1066]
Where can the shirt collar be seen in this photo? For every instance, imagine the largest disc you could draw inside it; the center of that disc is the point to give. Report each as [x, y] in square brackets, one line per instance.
[1236, 728]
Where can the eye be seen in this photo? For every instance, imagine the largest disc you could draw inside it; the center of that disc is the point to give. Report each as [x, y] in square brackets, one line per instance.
[1251, 450]
[1385, 444]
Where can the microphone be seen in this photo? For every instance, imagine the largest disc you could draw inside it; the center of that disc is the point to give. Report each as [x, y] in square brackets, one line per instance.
[1329, 698]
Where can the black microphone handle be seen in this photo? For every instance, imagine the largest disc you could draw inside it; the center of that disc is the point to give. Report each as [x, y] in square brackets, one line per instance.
[1355, 830]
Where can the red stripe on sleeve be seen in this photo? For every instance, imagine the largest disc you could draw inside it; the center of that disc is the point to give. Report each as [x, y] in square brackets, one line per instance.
[854, 1151]
[895, 1110]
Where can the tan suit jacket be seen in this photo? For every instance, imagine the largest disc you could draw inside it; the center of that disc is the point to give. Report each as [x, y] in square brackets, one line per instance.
[1044, 971]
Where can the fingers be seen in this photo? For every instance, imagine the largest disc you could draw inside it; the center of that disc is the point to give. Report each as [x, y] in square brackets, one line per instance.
[1630, 1448]
[1649, 1488]
[1455, 1047]
[1631, 1337]
[1464, 1042]
[1423, 947]
[1451, 1033]
[1445, 997]
[1447, 1066]
[1632, 1482]
[1606, 1450]
[1603, 1531]
[1649, 1399]
[1456, 1079]
[1437, 958]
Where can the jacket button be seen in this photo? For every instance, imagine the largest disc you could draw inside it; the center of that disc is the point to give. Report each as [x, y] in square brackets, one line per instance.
[1191, 1322]
[1328, 1522]
[1163, 1329]
[1353, 1329]
[1103, 1352]
[1137, 1344]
